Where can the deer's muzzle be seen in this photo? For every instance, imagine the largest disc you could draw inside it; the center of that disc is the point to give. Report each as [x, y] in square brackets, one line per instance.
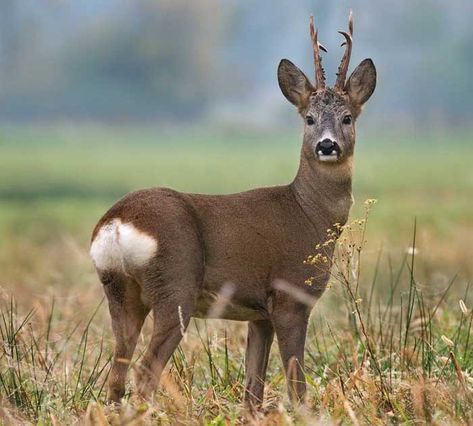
[327, 150]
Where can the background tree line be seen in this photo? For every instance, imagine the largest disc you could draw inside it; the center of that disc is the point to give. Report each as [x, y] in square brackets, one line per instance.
[169, 61]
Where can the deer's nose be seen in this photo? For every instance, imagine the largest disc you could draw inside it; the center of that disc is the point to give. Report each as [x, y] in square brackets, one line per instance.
[327, 146]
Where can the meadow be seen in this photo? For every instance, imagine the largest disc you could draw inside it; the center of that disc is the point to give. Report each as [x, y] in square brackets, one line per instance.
[389, 342]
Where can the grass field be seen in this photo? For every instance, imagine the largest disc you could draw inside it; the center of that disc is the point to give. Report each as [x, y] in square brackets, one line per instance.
[391, 343]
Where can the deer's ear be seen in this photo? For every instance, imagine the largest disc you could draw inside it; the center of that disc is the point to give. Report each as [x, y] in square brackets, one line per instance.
[294, 85]
[362, 82]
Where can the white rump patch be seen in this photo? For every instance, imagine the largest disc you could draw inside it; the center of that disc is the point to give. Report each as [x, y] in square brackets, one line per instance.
[120, 246]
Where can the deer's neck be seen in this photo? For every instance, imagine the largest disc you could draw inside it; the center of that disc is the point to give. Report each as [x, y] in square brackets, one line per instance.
[323, 191]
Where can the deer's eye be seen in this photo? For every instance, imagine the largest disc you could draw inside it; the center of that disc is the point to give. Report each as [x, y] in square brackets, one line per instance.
[347, 119]
[309, 120]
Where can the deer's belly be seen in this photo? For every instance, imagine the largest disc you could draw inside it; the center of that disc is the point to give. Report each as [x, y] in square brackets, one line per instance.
[234, 293]
[212, 307]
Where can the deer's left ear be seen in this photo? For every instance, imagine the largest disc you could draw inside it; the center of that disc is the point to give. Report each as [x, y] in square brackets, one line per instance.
[294, 85]
[361, 84]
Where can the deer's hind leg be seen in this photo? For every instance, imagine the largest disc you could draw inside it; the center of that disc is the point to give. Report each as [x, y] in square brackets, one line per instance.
[173, 295]
[128, 313]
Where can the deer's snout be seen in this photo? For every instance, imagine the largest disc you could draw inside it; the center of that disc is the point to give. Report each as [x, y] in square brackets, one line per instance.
[327, 150]
[327, 146]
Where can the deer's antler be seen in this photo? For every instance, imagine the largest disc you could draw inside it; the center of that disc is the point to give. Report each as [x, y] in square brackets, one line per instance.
[343, 68]
[319, 71]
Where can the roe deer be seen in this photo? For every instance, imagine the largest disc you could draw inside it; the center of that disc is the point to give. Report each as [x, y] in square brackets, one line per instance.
[172, 253]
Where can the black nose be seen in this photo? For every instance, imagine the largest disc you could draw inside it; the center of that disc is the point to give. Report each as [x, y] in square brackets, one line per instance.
[327, 146]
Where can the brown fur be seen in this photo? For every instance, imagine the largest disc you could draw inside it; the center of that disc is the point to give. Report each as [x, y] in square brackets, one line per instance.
[251, 239]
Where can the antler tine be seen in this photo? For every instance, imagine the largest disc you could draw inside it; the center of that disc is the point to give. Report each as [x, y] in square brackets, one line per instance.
[350, 22]
[319, 71]
[343, 68]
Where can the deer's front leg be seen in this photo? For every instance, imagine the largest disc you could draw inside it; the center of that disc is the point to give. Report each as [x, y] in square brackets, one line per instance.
[291, 329]
[260, 338]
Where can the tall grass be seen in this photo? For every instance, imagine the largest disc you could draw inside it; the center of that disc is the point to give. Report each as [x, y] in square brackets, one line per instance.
[383, 346]
[39, 375]
[406, 360]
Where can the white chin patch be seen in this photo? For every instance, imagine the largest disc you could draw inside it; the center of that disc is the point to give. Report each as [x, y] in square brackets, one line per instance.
[330, 158]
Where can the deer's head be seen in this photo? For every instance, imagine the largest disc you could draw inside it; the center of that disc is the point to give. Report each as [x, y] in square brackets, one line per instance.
[329, 113]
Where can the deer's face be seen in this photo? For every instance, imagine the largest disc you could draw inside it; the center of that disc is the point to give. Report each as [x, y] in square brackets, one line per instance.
[329, 126]
[329, 115]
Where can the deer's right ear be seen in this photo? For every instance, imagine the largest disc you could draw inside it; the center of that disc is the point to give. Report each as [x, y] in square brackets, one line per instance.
[361, 84]
[294, 85]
